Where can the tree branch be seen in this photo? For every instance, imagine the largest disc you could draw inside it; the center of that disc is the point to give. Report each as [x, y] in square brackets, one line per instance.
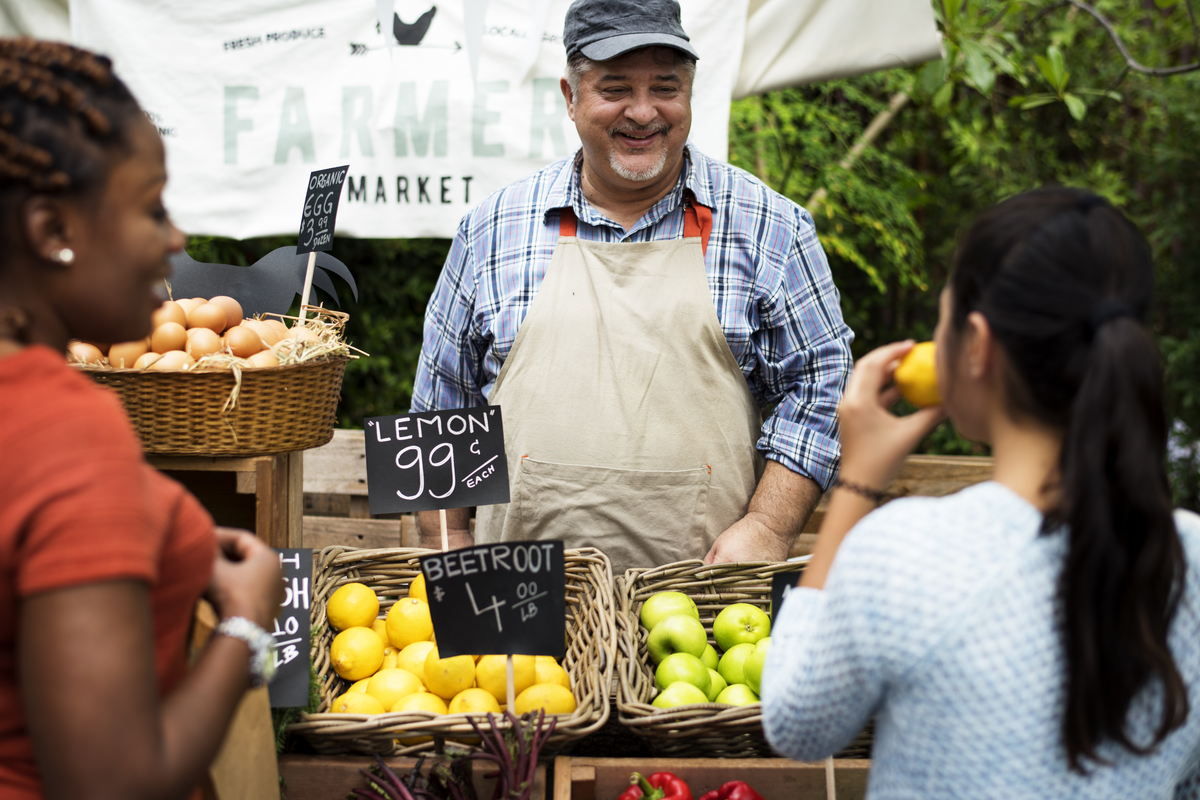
[1133, 63]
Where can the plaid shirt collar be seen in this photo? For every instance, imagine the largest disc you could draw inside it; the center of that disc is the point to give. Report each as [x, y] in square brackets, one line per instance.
[567, 190]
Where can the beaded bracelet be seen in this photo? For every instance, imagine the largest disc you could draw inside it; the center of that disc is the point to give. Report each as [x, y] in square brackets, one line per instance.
[873, 495]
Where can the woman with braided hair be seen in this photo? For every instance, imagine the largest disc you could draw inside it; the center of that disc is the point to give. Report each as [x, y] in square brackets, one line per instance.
[1037, 635]
[103, 558]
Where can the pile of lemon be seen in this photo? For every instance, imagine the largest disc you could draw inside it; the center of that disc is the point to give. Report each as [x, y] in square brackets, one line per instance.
[393, 664]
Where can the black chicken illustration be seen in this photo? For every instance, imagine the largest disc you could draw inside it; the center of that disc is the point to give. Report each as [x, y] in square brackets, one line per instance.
[412, 33]
[269, 285]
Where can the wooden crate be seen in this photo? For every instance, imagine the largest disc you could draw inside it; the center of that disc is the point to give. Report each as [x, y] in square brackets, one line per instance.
[773, 778]
[333, 777]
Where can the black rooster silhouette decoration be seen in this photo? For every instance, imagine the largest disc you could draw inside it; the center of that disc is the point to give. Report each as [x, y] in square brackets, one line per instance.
[412, 33]
[268, 286]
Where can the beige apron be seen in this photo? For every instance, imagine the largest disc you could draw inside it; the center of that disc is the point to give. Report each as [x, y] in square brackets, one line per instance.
[627, 421]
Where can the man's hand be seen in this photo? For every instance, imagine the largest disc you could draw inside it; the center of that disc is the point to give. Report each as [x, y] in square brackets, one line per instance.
[458, 529]
[781, 505]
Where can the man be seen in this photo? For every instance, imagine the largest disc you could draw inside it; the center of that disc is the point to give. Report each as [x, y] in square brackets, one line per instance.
[633, 309]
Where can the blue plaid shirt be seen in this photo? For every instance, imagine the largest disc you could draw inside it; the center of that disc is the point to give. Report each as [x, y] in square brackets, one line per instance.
[766, 270]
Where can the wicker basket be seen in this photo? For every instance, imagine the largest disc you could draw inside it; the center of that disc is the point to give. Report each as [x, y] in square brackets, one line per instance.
[278, 409]
[709, 729]
[591, 647]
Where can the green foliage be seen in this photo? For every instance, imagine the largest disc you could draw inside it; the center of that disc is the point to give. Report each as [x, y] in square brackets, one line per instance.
[1029, 94]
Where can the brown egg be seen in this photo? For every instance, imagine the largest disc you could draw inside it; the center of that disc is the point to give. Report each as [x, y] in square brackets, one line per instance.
[175, 359]
[145, 361]
[280, 329]
[243, 341]
[169, 311]
[209, 316]
[264, 331]
[101, 346]
[266, 358]
[302, 334]
[168, 336]
[123, 355]
[203, 342]
[233, 310]
[187, 305]
[86, 352]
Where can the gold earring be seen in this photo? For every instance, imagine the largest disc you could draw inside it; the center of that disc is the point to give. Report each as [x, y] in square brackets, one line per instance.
[64, 256]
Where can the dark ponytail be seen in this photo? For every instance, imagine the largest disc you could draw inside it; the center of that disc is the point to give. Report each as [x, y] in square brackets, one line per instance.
[1064, 280]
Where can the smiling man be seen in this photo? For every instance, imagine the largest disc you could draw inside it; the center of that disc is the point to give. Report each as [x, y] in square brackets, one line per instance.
[635, 309]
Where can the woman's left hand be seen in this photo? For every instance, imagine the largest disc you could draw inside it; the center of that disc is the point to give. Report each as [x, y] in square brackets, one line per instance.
[874, 440]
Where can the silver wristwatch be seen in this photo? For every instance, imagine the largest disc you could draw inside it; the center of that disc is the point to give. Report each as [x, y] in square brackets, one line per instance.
[262, 647]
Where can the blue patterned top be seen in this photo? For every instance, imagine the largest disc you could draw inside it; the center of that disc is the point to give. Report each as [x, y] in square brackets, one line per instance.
[938, 618]
[766, 271]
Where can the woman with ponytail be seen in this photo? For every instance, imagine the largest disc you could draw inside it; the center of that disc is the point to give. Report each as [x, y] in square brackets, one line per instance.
[1037, 635]
[103, 559]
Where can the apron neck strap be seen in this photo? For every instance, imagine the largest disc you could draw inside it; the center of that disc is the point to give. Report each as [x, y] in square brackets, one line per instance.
[697, 222]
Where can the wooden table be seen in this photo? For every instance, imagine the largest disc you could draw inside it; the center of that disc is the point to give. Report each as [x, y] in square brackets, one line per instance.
[264, 494]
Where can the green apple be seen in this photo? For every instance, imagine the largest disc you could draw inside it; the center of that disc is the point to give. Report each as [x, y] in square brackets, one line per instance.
[716, 686]
[665, 604]
[710, 657]
[732, 664]
[753, 668]
[681, 667]
[677, 634]
[740, 622]
[737, 694]
[679, 693]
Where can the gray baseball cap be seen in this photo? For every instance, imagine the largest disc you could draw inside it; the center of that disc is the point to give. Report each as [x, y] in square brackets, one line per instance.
[604, 29]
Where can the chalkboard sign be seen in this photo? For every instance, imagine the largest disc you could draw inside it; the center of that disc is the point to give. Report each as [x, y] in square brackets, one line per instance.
[289, 689]
[781, 584]
[320, 209]
[436, 459]
[507, 599]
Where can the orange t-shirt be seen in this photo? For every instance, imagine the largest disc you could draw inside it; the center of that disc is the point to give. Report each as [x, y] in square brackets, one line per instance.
[79, 504]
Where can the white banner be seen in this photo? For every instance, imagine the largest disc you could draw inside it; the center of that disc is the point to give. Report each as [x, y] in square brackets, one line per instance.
[253, 95]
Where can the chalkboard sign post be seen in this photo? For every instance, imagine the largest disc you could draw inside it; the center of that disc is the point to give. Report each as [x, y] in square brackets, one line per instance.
[440, 459]
[289, 689]
[781, 584]
[436, 460]
[317, 222]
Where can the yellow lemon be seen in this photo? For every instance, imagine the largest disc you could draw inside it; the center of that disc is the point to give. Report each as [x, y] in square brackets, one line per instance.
[550, 696]
[352, 606]
[548, 671]
[491, 674]
[359, 686]
[422, 701]
[417, 588]
[356, 653]
[356, 703]
[408, 621]
[916, 376]
[446, 677]
[380, 628]
[389, 685]
[389, 658]
[412, 658]
[474, 701]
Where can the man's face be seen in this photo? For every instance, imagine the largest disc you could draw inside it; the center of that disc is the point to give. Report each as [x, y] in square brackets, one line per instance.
[633, 114]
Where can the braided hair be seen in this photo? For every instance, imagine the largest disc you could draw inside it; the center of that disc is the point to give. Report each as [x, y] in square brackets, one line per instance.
[62, 114]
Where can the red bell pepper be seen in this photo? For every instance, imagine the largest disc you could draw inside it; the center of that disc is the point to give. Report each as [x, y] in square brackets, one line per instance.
[659, 786]
[733, 790]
